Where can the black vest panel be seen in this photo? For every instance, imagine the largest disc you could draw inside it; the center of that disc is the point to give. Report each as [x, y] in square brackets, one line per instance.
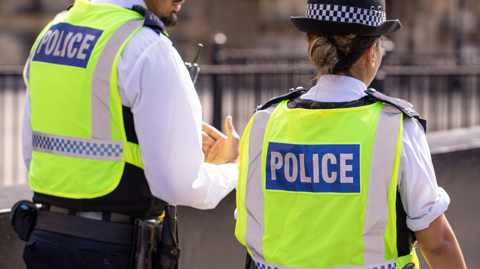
[131, 197]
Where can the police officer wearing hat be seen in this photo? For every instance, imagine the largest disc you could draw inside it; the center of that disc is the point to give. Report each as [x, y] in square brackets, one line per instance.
[111, 134]
[340, 176]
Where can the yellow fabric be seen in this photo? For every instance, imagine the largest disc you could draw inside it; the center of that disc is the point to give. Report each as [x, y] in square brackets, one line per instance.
[241, 226]
[327, 219]
[134, 157]
[60, 97]
[345, 212]
[411, 258]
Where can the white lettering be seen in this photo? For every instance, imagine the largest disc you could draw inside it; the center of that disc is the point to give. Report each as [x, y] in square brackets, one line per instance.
[72, 51]
[56, 52]
[333, 160]
[51, 44]
[65, 43]
[44, 40]
[294, 164]
[293, 176]
[84, 46]
[344, 168]
[316, 174]
[303, 178]
[274, 165]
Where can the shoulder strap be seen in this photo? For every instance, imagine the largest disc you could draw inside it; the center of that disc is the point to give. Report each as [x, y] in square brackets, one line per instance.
[404, 106]
[294, 93]
[151, 20]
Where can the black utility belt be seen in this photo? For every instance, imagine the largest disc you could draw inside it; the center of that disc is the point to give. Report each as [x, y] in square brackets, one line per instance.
[95, 215]
[105, 231]
[154, 240]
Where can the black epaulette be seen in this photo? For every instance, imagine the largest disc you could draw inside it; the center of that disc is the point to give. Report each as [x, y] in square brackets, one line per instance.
[294, 93]
[151, 20]
[404, 106]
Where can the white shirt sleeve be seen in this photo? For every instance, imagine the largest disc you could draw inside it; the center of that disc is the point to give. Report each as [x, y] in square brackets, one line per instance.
[155, 84]
[422, 199]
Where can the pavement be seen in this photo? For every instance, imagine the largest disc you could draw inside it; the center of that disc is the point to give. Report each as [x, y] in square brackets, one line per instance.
[207, 236]
[454, 140]
[11, 194]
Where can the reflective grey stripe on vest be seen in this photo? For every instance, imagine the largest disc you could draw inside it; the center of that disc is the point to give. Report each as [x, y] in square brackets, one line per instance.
[383, 159]
[27, 68]
[376, 216]
[254, 191]
[100, 147]
[391, 264]
[101, 118]
[94, 149]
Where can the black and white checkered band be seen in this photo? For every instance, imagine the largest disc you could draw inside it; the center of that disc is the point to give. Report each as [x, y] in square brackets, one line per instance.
[336, 13]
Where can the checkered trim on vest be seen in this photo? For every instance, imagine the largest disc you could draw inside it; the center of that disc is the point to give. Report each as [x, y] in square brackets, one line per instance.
[392, 265]
[389, 266]
[345, 14]
[262, 266]
[78, 147]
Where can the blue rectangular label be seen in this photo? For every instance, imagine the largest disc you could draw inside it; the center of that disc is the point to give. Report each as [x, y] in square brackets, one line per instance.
[313, 168]
[67, 44]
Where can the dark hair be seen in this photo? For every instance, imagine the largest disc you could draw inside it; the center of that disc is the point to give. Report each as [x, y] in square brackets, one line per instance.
[335, 54]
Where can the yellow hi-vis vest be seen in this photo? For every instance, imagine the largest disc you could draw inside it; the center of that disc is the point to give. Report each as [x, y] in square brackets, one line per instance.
[318, 187]
[79, 142]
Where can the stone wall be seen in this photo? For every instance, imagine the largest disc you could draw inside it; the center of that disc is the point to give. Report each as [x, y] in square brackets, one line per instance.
[436, 25]
[428, 25]
[207, 237]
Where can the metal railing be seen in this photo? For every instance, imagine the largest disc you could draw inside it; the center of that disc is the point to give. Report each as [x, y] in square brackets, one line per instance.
[447, 96]
[12, 96]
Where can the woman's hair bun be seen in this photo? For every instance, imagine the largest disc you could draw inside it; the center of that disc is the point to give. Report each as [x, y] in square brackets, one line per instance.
[334, 54]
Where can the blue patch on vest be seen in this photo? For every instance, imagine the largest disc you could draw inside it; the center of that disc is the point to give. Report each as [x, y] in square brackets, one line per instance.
[67, 44]
[313, 168]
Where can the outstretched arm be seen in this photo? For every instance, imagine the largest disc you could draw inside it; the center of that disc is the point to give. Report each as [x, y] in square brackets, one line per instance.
[219, 148]
[439, 245]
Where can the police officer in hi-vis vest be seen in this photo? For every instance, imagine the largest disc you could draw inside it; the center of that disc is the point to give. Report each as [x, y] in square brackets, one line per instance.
[340, 176]
[112, 138]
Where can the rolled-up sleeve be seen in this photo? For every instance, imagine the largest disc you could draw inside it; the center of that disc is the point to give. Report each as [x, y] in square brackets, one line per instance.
[422, 198]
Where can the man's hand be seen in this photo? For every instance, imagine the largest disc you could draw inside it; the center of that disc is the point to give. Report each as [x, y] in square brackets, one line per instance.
[218, 148]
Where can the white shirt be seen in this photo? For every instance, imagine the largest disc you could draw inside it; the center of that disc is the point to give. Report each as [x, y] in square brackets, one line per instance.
[154, 82]
[422, 199]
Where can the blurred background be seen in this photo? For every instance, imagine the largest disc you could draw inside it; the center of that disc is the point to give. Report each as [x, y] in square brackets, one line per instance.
[252, 53]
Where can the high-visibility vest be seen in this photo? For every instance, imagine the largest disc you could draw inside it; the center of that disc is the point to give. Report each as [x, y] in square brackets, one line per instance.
[318, 187]
[79, 141]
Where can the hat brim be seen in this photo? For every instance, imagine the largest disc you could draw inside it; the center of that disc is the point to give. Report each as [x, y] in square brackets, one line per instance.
[343, 28]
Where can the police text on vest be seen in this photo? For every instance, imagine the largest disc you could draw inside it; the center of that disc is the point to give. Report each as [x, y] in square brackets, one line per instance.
[67, 44]
[313, 168]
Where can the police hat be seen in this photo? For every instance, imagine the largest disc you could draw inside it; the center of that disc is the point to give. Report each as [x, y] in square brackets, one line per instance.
[344, 17]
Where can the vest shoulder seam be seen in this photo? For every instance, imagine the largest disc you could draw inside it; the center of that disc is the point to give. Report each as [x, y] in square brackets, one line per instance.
[404, 106]
[275, 100]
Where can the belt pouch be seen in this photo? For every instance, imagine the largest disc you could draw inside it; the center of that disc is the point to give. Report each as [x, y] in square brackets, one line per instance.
[23, 217]
[169, 251]
[147, 235]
